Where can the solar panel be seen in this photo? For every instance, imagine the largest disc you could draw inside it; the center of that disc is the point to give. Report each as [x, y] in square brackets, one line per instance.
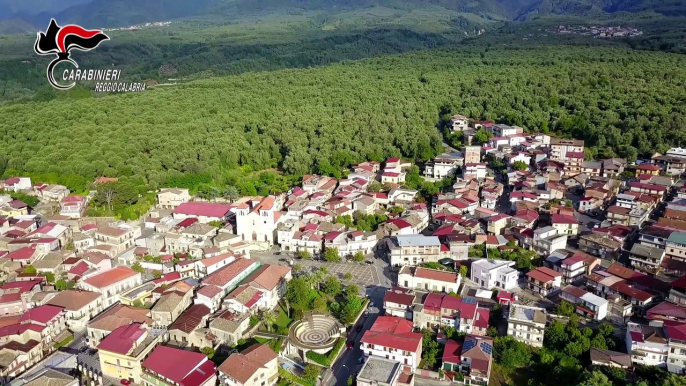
[487, 348]
[468, 300]
[468, 345]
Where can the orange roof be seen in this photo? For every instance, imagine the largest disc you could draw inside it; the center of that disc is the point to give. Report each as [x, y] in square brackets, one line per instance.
[112, 276]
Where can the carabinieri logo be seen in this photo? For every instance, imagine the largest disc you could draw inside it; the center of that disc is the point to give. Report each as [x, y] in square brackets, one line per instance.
[60, 41]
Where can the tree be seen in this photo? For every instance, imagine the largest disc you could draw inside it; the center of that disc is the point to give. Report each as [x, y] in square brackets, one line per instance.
[106, 194]
[430, 348]
[304, 255]
[463, 271]
[319, 304]
[30, 270]
[209, 351]
[375, 187]
[520, 165]
[231, 193]
[297, 268]
[555, 335]
[350, 381]
[511, 353]
[268, 318]
[595, 378]
[216, 224]
[157, 274]
[61, 285]
[492, 332]
[358, 257]
[298, 293]
[332, 286]
[350, 310]
[565, 308]
[331, 255]
[138, 267]
[352, 290]
[49, 277]
[348, 276]
[481, 136]
[311, 373]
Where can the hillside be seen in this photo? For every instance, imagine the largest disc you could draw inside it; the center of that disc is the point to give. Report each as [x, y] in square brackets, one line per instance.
[117, 13]
[314, 119]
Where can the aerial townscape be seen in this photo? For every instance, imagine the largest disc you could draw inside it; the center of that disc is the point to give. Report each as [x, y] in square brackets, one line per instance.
[513, 254]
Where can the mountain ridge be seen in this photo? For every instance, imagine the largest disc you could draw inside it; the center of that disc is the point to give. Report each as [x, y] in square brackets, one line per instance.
[120, 13]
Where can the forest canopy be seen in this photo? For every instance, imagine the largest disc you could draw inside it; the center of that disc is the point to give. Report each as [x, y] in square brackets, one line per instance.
[622, 102]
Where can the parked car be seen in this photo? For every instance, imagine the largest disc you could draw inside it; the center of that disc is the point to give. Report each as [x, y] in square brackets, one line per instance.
[350, 344]
[366, 314]
[359, 327]
[360, 360]
[125, 382]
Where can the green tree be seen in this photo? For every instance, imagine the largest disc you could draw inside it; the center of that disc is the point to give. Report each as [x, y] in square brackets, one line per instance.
[358, 257]
[311, 373]
[375, 187]
[231, 193]
[595, 378]
[157, 274]
[332, 286]
[331, 255]
[304, 255]
[492, 332]
[348, 276]
[216, 224]
[463, 271]
[350, 381]
[319, 304]
[350, 310]
[352, 290]
[138, 267]
[297, 268]
[268, 319]
[61, 285]
[511, 353]
[30, 270]
[298, 294]
[209, 351]
[565, 308]
[481, 136]
[49, 277]
[520, 165]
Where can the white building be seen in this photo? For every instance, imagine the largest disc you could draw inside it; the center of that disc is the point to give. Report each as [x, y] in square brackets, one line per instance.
[489, 273]
[257, 221]
[526, 324]
[647, 345]
[429, 279]
[111, 283]
[547, 239]
[459, 122]
[393, 338]
[170, 198]
[444, 165]
[475, 171]
[414, 249]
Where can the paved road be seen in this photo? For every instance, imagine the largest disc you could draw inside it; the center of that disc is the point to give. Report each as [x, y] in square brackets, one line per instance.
[347, 364]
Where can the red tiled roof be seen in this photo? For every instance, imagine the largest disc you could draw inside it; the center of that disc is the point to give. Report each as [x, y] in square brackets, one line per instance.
[186, 222]
[186, 368]
[626, 289]
[243, 366]
[452, 352]
[540, 276]
[112, 276]
[398, 298]
[24, 253]
[481, 318]
[393, 332]
[206, 209]
[640, 185]
[209, 291]
[400, 223]
[41, 314]
[667, 310]
[122, 339]
[444, 276]
[648, 167]
[190, 319]
[564, 219]
[676, 331]
[79, 269]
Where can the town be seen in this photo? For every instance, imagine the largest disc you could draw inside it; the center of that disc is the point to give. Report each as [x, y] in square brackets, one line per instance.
[511, 243]
[599, 31]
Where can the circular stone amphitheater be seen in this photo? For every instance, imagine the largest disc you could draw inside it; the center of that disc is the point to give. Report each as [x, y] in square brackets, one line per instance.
[316, 331]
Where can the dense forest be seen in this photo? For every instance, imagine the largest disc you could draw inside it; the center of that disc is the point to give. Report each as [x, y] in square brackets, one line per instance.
[623, 103]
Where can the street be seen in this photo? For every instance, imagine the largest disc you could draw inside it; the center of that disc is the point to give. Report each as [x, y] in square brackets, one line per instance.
[347, 364]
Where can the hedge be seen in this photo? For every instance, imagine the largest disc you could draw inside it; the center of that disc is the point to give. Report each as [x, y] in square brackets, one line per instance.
[283, 373]
[336, 349]
[318, 358]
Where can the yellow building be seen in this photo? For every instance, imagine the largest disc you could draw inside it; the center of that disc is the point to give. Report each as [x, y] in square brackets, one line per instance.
[124, 349]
